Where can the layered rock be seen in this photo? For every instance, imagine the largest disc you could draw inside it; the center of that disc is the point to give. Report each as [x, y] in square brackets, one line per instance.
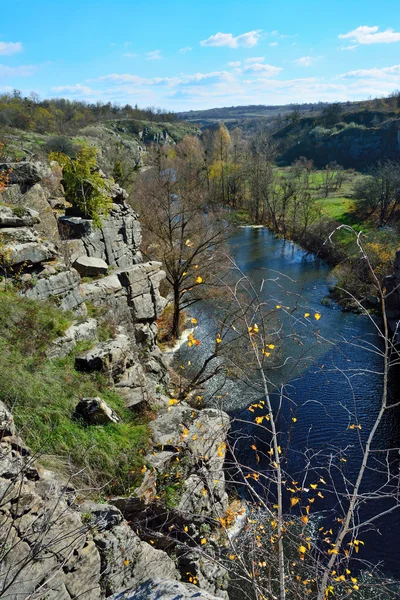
[55, 547]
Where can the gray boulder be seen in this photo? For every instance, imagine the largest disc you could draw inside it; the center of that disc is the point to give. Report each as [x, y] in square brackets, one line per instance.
[24, 172]
[164, 589]
[94, 411]
[90, 267]
[10, 217]
[112, 357]
[78, 332]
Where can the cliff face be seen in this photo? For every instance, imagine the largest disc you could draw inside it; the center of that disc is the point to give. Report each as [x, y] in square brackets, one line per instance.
[351, 148]
[54, 543]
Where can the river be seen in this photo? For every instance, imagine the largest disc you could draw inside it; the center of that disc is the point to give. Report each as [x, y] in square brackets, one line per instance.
[331, 384]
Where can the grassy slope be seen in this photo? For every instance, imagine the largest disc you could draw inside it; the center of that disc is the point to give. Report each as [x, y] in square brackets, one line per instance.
[43, 394]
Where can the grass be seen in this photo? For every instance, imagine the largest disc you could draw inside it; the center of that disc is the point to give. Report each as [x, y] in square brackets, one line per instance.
[43, 394]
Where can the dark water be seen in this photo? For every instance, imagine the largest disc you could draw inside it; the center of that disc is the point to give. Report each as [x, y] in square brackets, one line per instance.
[330, 383]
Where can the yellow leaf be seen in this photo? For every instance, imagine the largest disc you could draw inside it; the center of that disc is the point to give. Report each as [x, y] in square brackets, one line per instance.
[256, 327]
[314, 486]
[278, 306]
[203, 541]
[294, 501]
[259, 420]
[194, 321]
[218, 340]
[294, 419]
[306, 315]
[317, 316]
[199, 279]
[302, 549]
[271, 346]
[173, 401]
[126, 562]
[304, 519]
[186, 528]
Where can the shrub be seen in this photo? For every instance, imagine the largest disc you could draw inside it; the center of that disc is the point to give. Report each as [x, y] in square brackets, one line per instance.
[85, 187]
[60, 144]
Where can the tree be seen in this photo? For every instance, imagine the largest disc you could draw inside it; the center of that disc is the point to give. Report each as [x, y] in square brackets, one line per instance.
[331, 114]
[180, 229]
[290, 548]
[380, 191]
[85, 187]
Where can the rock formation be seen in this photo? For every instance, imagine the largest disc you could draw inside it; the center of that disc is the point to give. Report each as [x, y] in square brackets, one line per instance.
[55, 546]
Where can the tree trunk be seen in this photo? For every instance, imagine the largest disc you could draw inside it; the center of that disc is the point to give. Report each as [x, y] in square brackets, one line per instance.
[177, 312]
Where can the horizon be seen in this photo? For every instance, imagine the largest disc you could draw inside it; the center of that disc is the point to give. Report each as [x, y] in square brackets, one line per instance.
[236, 55]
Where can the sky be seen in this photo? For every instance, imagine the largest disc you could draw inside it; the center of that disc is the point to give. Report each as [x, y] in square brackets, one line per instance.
[184, 55]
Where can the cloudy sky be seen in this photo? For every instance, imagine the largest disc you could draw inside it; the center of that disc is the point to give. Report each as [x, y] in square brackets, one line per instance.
[182, 54]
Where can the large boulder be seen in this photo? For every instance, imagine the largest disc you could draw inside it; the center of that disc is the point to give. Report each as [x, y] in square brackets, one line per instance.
[24, 172]
[164, 589]
[12, 217]
[112, 357]
[22, 246]
[90, 267]
[94, 411]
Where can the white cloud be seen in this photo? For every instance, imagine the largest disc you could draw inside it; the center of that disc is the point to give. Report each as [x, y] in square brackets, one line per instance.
[374, 73]
[371, 35]
[185, 49]
[257, 59]
[246, 40]
[272, 44]
[235, 64]
[263, 69]
[77, 89]
[129, 55]
[304, 61]
[155, 55]
[8, 48]
[23, 71]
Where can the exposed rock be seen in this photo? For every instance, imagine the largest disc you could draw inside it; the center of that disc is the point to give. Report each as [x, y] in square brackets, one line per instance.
[13, 218]
[118, 240]
[59, 203]
[157, 589]
[94, 411]
[112, 357]
[201, 435]
[127, 561]
[88, 266]
[7, 426]
[63, 285]
[36, 198]
[21, 245]
[24, 172]
[78, 332]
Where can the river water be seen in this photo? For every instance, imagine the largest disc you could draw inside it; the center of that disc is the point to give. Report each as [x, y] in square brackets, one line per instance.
[332, 379]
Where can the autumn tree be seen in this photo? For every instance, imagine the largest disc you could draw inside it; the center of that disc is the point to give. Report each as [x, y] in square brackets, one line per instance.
[181, 230]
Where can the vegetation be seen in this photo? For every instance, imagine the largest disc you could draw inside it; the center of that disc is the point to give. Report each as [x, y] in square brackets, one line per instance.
[43, 394]
[67, 116]
[85, 187]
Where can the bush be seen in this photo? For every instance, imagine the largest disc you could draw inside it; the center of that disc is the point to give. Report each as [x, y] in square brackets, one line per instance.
[85, 188]
[61, 145]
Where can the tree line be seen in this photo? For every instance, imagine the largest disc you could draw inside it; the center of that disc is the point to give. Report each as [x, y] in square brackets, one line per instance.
[59, 115]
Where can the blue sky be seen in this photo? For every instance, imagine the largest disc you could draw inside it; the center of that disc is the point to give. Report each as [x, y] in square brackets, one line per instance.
[183, 55]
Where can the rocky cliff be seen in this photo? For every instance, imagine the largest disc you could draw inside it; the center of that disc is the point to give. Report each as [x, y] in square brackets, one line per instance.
[56, 542]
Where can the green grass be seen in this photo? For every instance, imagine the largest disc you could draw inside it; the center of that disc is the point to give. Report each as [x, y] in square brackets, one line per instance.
[43, 395]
